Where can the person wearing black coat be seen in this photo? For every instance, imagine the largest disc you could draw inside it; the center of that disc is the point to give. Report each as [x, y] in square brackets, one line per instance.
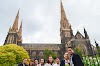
[75, 59]
[23, 63]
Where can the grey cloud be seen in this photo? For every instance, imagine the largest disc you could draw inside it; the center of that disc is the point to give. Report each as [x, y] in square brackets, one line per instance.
[41, 18]
[31, 27]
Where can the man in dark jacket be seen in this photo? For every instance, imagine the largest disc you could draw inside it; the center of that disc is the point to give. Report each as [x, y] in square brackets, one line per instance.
[75, 59]
[23, 63]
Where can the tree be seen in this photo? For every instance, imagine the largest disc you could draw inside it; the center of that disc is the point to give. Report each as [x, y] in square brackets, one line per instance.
[48, 53]
[12, 54]
[98, 51]
[78, 51]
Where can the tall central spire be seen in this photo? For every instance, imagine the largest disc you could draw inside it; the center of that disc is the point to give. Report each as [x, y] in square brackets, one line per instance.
[15, 25]
[64, 22]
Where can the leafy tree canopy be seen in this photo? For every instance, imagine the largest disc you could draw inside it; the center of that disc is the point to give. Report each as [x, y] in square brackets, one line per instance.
[48, 53]
[79, 52]
[11, 54]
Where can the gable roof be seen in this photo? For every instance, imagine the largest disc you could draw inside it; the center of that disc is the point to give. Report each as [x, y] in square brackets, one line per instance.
[79, 35]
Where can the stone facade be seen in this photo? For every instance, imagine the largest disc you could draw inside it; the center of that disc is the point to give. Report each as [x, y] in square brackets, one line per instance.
[36, 50]
[67, 39]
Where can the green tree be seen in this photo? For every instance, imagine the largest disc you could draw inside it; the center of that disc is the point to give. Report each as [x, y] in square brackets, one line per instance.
[99, 51]
[48, 53]
[12, 54]
[79, 52]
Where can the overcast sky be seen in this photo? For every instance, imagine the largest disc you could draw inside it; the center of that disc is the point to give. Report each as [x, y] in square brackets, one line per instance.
[41, 18]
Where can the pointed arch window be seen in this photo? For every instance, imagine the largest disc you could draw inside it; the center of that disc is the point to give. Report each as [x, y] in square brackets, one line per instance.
[12, 39]
[34, 53]
[8, 41]
[41, 53]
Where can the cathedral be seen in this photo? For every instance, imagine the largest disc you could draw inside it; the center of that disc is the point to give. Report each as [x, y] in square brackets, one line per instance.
[35, 50]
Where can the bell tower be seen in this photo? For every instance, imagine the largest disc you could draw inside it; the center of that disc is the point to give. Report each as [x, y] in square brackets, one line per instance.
[66, 32]
[65, 27]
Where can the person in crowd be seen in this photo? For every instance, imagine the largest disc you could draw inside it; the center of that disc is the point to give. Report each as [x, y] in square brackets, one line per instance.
[31, 63]
[50, 61]
[57, 62]
[42, 62]
[36, 62]
[24, 63]
[75, 59]
[65, 61]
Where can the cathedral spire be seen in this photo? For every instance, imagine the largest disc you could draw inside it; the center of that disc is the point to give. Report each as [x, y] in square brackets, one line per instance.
[20, 30]
[15, 24]
[66, 31]
[64, 22]
[86, 35]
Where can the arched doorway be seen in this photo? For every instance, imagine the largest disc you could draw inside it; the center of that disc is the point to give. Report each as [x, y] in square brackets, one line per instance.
[83, 48]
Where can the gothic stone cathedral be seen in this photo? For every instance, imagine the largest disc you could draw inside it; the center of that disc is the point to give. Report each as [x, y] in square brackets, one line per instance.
[67, 39]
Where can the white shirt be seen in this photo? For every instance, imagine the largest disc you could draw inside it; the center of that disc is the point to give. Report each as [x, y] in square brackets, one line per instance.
[37, 65]
[56, 64]
[41, 65]
[71, 62]
[67, 62]
[23, 64]
[48, 64]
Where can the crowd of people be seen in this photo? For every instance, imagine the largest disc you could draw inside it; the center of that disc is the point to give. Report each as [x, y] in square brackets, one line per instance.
[70, 59]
